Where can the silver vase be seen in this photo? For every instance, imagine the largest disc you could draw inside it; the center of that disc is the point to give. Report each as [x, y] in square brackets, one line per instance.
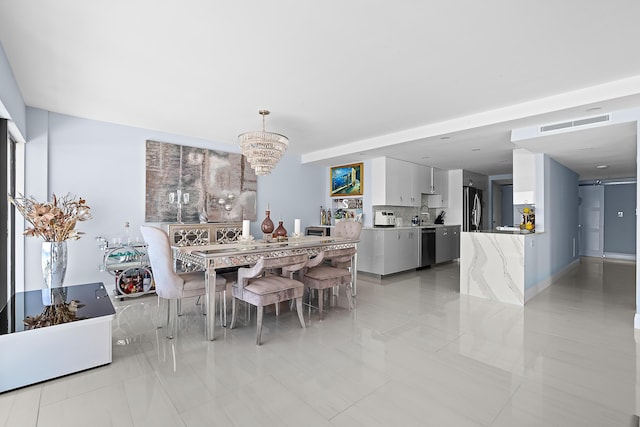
[54, 263]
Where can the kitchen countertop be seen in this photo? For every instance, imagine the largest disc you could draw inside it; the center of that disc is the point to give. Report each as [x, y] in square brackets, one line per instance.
[411, 226]
[494, 231]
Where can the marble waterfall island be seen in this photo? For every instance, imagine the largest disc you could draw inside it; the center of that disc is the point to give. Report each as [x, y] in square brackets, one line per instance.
[493, 265]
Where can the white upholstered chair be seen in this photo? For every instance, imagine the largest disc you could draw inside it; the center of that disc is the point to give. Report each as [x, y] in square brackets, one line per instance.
[256, 286]
[170, 285]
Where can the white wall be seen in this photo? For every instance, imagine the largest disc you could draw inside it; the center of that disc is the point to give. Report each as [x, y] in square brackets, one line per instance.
[105, 163]
[12, 104]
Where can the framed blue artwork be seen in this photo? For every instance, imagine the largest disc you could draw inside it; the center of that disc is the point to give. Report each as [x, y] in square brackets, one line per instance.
[347, 180]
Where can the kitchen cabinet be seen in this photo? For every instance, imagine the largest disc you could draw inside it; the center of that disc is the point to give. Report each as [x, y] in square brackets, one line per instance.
[440, 188]
[447, 243]
[388, 251]
[396, 182]
[524, 177]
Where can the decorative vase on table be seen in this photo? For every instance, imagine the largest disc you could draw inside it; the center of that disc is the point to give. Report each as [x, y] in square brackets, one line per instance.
[281, 232]
[54, 263]
[267, 226]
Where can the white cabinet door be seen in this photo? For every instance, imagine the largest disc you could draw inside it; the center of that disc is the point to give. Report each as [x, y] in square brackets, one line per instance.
[388, 251]
[366, 255]
[392, 251]
[524, 177]
[410, 249]
[398, 179]
[393, 182]
[401, 250]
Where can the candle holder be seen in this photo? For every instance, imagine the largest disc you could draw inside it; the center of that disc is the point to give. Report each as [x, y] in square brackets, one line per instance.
[245, 240]
[179, 198]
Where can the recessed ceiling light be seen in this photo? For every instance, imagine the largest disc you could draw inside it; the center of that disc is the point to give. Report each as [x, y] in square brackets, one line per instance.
[602, 166]
[445, 137]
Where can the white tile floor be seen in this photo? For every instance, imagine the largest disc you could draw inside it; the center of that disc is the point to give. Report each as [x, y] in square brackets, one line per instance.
[413, 353]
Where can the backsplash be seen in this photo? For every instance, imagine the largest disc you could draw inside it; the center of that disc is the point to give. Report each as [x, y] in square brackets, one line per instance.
[404, 214]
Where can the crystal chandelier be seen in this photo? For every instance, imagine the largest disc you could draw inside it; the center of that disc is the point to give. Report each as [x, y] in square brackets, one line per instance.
[263, 149]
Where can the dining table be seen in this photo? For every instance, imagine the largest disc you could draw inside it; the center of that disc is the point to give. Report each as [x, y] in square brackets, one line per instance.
[246, 252]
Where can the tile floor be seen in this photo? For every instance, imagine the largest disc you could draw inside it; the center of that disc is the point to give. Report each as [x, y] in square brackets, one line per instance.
[414, 352]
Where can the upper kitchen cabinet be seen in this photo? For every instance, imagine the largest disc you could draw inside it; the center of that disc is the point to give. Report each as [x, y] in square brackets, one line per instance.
[525, 172]
[440, 196]
[396, 182]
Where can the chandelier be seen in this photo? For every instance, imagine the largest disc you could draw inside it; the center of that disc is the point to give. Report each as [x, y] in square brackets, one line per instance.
[263, 149]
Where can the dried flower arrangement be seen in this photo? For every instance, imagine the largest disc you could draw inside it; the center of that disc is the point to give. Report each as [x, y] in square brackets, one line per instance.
[54, 221]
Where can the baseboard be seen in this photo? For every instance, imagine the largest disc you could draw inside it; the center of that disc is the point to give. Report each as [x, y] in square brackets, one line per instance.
[616, 255]
[545, 283]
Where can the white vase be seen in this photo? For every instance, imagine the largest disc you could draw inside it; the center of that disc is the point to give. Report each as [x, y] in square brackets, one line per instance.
[54, 263]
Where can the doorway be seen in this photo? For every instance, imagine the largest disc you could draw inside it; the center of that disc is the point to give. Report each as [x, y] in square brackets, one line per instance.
[607, 220]
[501, 203]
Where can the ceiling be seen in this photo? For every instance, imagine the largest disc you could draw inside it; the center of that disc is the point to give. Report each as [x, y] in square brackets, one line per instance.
[436, 83]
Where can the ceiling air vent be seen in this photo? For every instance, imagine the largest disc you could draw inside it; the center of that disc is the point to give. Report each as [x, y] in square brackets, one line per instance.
[575, 123]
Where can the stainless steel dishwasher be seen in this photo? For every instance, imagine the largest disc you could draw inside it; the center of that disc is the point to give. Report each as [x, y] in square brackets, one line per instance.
[427, 247]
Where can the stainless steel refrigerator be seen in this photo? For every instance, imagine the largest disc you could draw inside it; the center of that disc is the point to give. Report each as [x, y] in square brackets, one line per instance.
[471, 209]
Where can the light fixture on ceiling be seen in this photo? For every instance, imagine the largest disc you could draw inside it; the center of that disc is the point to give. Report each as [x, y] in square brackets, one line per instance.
[263, 149]
[602, 166]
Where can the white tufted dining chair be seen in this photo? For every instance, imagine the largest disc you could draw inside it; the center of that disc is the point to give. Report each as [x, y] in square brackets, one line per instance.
[170, 285]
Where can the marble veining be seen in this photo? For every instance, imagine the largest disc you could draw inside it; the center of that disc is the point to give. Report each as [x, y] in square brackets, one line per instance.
[492, 266]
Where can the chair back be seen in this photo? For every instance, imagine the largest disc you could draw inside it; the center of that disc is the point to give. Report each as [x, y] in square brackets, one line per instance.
[168, 283]
[339, 255]
[289, 264]
[348, 229]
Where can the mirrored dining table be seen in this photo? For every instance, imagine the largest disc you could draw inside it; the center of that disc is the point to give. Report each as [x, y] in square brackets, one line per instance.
[216, 257]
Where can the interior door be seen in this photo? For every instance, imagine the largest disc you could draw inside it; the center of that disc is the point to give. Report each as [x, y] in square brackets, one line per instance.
[591, 220]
